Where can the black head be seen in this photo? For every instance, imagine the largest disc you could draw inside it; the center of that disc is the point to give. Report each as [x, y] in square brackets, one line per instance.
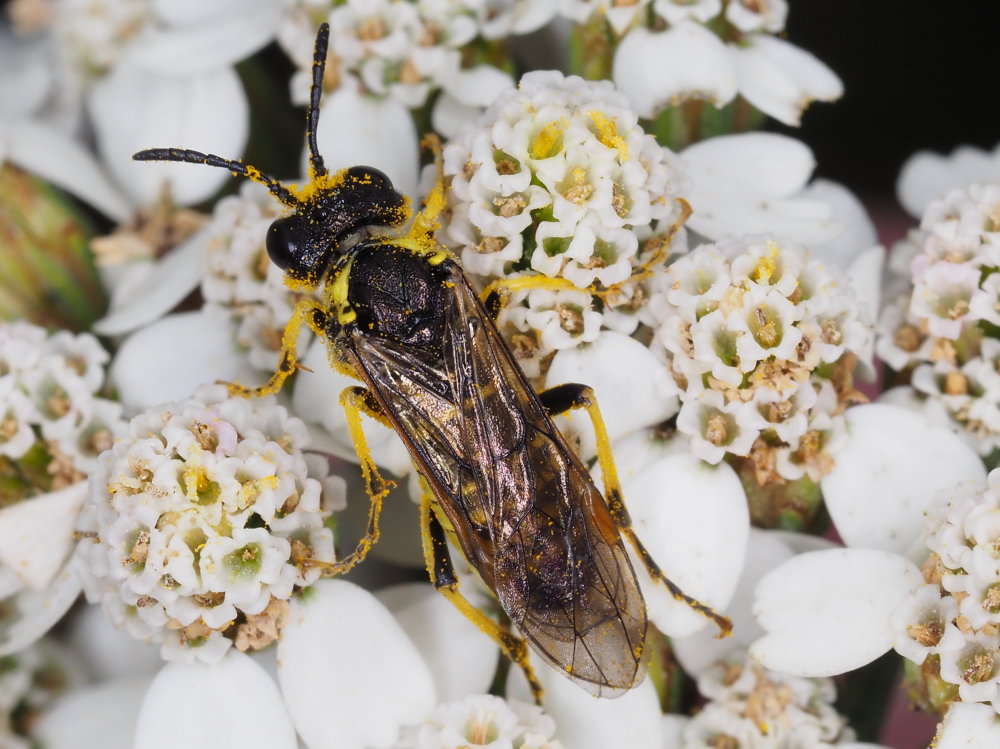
[326, 210]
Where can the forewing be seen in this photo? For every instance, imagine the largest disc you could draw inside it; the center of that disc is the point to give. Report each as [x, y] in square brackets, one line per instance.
[523, 506]
[560, 569]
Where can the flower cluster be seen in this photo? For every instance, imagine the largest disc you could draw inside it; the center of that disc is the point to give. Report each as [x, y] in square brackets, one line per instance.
[558, 178]
[29, 681]
[484, 720]
[750, 706]
[240, 281]
[402, 49]
[745, 16]
[710, 50]
[52, 423]
[763, 343]
[204, 520]
[944, 325]
[951, 625]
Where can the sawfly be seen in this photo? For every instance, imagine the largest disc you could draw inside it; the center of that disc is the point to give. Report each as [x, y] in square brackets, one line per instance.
[399, 315]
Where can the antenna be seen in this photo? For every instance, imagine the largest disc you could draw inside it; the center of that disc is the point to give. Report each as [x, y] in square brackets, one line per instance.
[312, 116]
[190, 156]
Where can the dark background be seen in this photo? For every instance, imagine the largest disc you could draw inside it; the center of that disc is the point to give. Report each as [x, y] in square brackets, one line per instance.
[917, 75]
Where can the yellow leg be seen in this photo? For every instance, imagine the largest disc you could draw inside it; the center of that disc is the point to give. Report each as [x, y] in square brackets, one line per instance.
[494, 297]
[566, 397]
[659, 254]
[356, 400]
[442, 574]
[425, 223]
[307, 312]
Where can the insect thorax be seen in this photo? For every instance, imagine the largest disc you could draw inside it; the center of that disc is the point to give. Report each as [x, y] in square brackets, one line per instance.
[397, 294]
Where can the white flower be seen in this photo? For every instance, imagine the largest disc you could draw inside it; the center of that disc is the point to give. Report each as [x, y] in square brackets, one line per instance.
[659, 69]
[406, 51]
[620, 16]
[147, 74]
[757, 707]
[558, 177]
[53, 426]
[485, 720]
[940, 322]
[768, 15]
[745, 326]
[205, 517]
[926, 176]
[29, 682]
[597, 170]
[757, 182]
[831, 611]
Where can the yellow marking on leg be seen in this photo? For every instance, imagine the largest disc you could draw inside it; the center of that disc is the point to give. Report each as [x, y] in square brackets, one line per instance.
[616, 505]
[354, 401]
[426, 222]
[659, 254]
[514, 647]
[287, 362]
[504, 287]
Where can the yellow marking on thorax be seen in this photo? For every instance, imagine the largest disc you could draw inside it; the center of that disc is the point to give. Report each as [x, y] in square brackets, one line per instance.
[337, 295]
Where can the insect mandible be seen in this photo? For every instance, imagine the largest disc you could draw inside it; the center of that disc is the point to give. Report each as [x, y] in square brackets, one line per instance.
[400, 315]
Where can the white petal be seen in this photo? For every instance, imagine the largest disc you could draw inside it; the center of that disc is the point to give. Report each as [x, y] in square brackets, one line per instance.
[771, 164]
[9, 582]
[969, 726]
[478, 86]
[36, 535]
[193, 347]
[586, 722]
[632, 387]
[36, 612]
[358, 129]
[856, 229]
[194, 12]
[766, 550]
[828, 612]
[106, 651]
[754, 183]
[461, 658]
[450, 115]
[693, 519]
[204, 48]
[230, 703]
[659, 69]
[894, 464]
[133, 109]
[350, 675]
[781, 79]
[97, 716]
[317, 399]
[927, 176]
[165, 284]
[639, 450]
[56, 158]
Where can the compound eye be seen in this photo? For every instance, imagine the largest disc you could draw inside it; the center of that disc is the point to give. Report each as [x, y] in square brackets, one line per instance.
[281, 244]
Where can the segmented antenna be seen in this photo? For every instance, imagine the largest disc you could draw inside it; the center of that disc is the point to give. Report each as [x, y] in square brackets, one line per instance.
[189, 156]
[312, 116]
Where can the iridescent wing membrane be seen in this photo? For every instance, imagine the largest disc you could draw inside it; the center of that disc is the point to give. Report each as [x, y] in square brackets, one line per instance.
[521, 503]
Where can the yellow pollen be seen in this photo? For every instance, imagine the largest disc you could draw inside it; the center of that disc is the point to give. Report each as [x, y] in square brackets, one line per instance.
[766, 270]
[607, 133]
[548, 142]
